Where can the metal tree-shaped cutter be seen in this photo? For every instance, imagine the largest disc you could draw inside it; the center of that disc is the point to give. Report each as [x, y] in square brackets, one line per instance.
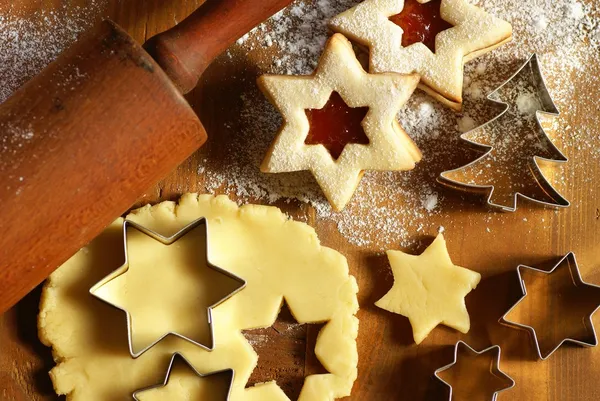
[520, 114]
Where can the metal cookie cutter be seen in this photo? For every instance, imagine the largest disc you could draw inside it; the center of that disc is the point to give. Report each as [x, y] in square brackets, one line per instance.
[177, 356]
[494, 368]
[165, 241]
[570, 263]
[547, 108]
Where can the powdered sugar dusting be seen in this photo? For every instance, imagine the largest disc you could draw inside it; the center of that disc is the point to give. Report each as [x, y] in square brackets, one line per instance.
[387, 208]
[28, 44]
[391, 208]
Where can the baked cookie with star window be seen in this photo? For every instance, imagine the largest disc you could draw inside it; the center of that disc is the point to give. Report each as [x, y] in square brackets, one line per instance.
[433, 38]
[339, 122]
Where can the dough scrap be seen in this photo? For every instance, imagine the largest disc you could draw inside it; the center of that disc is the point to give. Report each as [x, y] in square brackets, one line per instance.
[276, 256]
[429, 289]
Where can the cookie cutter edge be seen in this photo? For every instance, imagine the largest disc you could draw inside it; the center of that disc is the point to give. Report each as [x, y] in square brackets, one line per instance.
[578, 280]
[167, 241]
[496, 367]
[534, 167]
[165, 382]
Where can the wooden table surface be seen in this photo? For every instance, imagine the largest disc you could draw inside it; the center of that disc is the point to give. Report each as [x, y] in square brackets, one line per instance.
[391, 366]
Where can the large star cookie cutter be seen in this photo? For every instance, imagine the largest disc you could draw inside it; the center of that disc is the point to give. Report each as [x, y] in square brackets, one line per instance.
[553, 198]
[567, 262]
[165, 241]
[460, 348]
[177, 357]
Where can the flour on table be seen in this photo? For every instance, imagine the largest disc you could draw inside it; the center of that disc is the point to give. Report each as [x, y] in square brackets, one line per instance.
[27, 45]
[387, 208]
[564, 35]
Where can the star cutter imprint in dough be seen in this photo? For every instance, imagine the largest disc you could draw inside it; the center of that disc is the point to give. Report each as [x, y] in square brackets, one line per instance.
[428, 282]
[284, 304]
[177, 356]
[494, 368]
[339, 71]
[570, 263]
[165, 241]
[549, 109]
[474, 32]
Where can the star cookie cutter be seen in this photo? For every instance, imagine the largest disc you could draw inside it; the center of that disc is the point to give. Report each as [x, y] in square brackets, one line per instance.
[177, 356]
[548, 108]
[166, 241]
[494, 368]
[577, 281]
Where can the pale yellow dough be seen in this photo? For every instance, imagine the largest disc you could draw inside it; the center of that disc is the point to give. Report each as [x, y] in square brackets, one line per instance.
[276, 256]
[429, 289]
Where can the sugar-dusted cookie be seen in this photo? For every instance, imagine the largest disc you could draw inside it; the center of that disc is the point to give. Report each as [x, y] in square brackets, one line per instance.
[431, 38]
[339, 122]
[429, 289]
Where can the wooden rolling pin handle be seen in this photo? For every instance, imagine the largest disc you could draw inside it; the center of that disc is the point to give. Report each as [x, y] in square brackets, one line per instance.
[186, 50]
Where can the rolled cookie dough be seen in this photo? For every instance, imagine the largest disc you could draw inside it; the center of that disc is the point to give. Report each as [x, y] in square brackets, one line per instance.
[275, 255]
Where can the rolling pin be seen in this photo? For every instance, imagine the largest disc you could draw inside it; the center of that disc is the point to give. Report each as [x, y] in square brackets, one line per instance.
[83, 140]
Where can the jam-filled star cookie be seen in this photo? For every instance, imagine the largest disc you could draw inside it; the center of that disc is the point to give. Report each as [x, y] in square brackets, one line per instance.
[433, 38]
[340, 121]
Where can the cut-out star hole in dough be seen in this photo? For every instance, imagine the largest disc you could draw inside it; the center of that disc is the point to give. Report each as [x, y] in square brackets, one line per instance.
[473, 33]
[388, 148]
[142, 287]
[286, 353]
[429, 289]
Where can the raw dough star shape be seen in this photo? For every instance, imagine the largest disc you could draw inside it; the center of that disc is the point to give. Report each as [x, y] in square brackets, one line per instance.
[584, 293]
[339, 71]
[278, 257]
[151, 320]
[429, 289]
[474, 32]
[183, 380]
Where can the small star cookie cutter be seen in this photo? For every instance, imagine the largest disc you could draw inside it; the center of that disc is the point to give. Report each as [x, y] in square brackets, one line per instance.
[577, 282]
[548, 108]
[494, 368]
[167, 241]
[177, 356]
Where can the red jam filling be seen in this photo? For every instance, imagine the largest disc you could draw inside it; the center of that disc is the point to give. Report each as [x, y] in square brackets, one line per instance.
[420, 22]
[336, 125]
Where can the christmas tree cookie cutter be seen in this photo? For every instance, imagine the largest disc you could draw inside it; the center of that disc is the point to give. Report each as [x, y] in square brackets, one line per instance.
[548, 108]
[166, 241]
[179, 357]
[567, 262]
[462, 347]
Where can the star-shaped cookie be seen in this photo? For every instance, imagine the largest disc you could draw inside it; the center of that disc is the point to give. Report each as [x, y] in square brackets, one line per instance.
[388, 148]
[139, 286]
[429, 289]
[473, 33]
[559, 304]
[187, 384]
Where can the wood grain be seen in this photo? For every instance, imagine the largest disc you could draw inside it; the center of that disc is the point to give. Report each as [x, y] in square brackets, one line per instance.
[102, 119]
[391, 367]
